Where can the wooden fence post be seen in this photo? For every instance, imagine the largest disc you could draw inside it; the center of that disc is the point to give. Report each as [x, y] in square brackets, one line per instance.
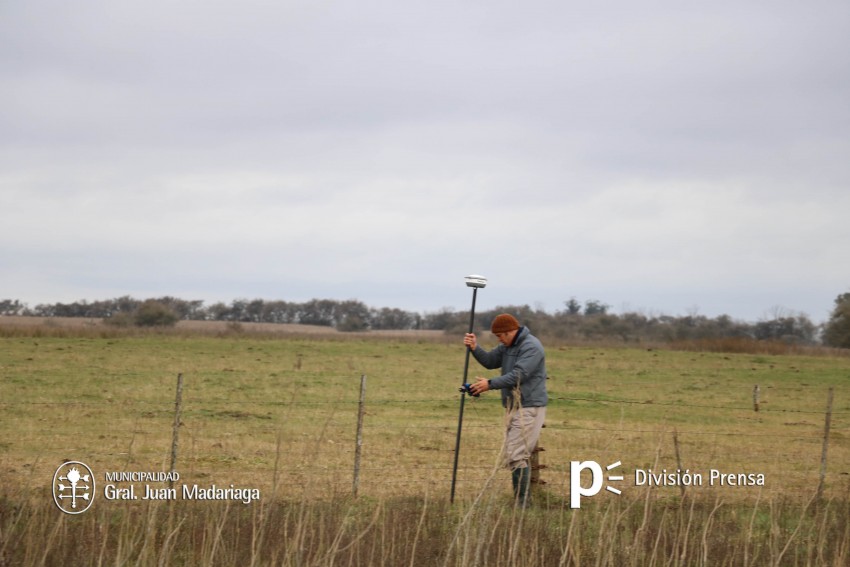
[679, 458]
[536, 467]
[827, 422]
[359, 447]
[756, 398]
[178, 407]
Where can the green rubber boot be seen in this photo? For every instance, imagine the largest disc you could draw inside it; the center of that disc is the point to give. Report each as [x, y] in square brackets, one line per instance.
[521, 480]
[515, 476]
[524, 487]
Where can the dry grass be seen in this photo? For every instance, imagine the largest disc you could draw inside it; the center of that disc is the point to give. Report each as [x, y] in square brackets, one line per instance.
[68, 327]
[251, 402]
[639, 530]
[752, 346]
[279, 414]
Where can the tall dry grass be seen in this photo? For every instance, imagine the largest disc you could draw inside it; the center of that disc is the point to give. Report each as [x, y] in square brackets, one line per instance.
[315, 528]
[639, 530]
[743, 345]
[79, 327]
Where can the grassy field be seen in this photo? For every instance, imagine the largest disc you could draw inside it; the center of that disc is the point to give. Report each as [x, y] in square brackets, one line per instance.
[278, 413]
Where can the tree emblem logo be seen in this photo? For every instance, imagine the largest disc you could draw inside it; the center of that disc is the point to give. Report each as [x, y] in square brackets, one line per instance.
[73, 487]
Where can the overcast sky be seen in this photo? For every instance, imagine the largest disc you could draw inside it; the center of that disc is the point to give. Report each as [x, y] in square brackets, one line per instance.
[663, 156]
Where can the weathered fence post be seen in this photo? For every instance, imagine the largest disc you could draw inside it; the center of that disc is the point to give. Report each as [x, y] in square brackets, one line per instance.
[359, 447]
[679, 458]
[827, 421]
[756, 398]
[536, 467]
[178, 407]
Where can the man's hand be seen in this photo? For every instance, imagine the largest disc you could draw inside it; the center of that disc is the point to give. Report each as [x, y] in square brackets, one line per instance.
[470, 341]
[480, 386]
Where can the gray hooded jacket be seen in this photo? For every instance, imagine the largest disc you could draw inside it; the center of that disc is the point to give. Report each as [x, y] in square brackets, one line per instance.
[523, 363]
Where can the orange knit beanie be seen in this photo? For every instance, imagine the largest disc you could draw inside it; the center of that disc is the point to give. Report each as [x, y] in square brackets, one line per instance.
[504, 323]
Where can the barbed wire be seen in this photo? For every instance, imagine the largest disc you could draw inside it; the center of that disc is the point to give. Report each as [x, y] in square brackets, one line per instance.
[556, 471]
[683, 434]
[340, 476]
[389, 402]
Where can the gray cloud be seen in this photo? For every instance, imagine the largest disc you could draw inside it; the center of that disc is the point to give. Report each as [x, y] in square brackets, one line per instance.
[662, 156]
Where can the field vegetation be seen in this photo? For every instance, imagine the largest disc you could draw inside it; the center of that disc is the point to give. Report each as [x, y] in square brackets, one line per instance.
[590, 321]
[278, 412]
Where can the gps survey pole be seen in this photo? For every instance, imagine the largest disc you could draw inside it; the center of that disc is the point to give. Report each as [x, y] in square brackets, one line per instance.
[475, 282]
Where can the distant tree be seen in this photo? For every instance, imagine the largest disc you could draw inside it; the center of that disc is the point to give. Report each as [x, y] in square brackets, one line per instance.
[351, 315]
[317, 312]
[254, 310]
[11, 307]
[279, 312]
[352, 323]
[76, 309]
[183, 308]
[442, 320]
[789, 328]
[595, 307]
[836, 332]
[217, 311]
[153, 313]
[194, 310]
[573, 306]
[120, 319]
[125, 304]
[238, 310]
[633, 326]
[785, 325]
[724, 326]
[386, 318]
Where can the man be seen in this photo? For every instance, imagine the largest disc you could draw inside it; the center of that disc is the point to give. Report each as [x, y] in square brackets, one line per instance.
[523, 387]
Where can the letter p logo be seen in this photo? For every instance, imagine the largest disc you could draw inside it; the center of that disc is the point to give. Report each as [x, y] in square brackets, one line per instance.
[577, 490]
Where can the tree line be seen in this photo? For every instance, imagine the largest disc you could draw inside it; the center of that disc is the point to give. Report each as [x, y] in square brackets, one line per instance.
[591, 320]
[349, 315]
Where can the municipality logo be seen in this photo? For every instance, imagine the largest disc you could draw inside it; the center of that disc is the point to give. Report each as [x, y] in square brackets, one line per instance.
[73, 487]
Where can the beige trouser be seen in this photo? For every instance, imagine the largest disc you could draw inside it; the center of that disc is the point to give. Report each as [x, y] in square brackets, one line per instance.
[524, 426]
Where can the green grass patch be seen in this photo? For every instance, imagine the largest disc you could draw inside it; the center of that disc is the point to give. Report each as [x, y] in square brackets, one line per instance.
[111, 400]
